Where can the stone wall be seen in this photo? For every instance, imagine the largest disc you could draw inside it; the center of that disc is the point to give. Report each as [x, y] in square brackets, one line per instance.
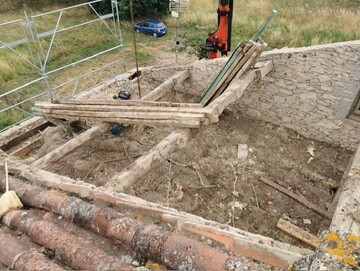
[311, 90]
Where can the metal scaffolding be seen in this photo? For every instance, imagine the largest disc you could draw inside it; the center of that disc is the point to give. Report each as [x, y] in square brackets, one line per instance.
[32, 52]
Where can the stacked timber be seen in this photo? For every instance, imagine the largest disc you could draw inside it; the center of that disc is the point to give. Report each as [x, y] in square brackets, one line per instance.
[242, 59]
[127, 112]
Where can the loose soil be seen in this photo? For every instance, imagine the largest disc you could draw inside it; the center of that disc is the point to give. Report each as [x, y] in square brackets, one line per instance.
[207, 179]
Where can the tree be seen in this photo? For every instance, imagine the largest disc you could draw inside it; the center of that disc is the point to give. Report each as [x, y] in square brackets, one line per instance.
[142, 8]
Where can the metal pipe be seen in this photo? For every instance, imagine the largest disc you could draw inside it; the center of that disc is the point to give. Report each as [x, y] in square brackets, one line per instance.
[24, 111]
[136, 60]
[16, 123]
[102, 20]
[28, 43]
[104, 17]
[11, 22]
[122, 51]
[86, 74]
[19, 55]
[52, 39]
[63, 9]
[22, 102]
[21, 87]
[84, 59]
[74, 90]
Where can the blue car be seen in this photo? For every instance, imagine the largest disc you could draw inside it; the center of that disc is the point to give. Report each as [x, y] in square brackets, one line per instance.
[151, 27]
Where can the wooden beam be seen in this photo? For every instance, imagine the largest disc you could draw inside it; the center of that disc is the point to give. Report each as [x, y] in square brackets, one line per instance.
[145, 163]
[123, 115]
[224, 72]
[263, 68]
[165, 87]
[127, 103]
[13, 137]
[349, 204]
[71, 145]
[116, 108]
[298, 233]
[27, 148]
[325, 224]
[181, 123]
[233, 92]
[241, 67]
[236, 88]
[298, 198]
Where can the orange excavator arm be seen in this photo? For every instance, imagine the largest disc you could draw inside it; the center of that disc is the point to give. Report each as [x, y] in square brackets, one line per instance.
[219, 42]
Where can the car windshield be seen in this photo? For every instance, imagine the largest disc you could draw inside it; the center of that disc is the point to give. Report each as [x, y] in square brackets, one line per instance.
[160, 25]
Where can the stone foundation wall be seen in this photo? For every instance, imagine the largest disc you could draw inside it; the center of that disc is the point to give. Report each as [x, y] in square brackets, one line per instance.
[311, 90]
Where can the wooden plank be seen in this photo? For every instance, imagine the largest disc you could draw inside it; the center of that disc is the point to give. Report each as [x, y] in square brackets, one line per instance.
[71, 145]
[349, 201]
[298, 233]
[181, 77]
[231, 94]
[234, 91]
[106, 108]
[298, 198]
[165, 87]
[263, 68]
[147, 162]
[27, 148]
[245, 63]
[128, 103]
[123, 115]
[228, 67]
[183, 123]
[332, 207]
[41, 125]
[116, 108]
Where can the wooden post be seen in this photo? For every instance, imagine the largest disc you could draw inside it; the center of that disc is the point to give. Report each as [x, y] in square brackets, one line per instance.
[68, 147]
[148, 161]
[165, 87]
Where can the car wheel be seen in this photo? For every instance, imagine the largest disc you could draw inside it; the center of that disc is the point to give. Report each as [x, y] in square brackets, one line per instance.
[137, 30]
[155, 35]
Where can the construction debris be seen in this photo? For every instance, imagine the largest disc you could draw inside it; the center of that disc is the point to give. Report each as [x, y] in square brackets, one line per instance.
[242, 59]
[243, 151]
[298, 233]
[296, 197]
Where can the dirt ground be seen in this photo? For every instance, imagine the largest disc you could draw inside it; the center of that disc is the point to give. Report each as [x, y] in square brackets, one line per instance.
[207, 178]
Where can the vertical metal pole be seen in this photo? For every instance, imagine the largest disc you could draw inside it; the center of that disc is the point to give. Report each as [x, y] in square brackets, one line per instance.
[40, 57]
[122, 51]
[176, 34]
[52, 39]
[28, 43]
[136, 59]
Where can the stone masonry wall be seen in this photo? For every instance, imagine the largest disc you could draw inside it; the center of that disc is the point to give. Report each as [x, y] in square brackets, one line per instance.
[311, 90]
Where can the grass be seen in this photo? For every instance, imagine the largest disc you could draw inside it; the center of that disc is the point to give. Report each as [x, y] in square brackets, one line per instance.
[299, 23]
